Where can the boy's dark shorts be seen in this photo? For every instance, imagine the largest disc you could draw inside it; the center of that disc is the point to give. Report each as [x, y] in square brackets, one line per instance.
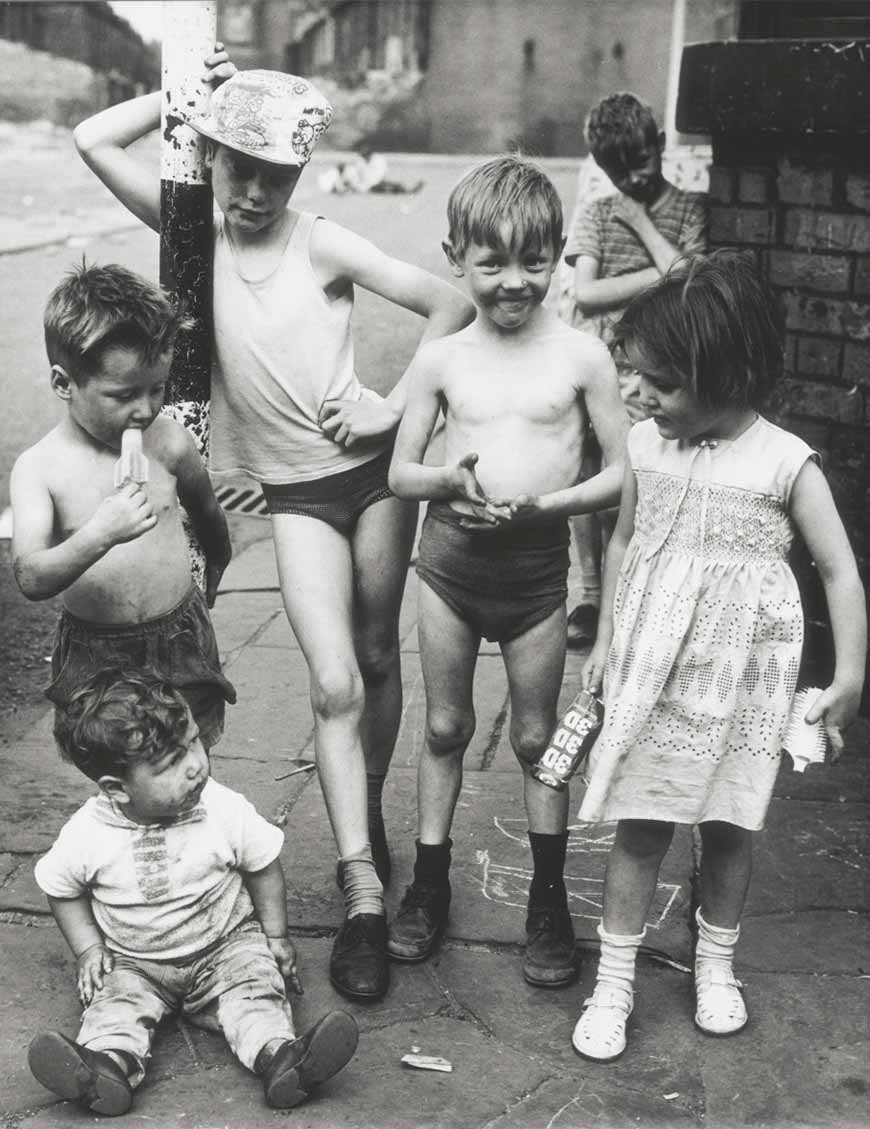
[179, 646]
[501, 584]
[337, 499]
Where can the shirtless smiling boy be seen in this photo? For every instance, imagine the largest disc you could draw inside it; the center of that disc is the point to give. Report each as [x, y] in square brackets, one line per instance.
[518, 389]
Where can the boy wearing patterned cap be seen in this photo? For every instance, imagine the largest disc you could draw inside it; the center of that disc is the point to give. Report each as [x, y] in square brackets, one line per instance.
[288, 410]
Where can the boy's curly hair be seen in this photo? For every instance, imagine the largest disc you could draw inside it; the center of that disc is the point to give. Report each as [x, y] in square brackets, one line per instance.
[96, 307]
[713, 320]
[618, 127]
[508, 191]
[119, 717]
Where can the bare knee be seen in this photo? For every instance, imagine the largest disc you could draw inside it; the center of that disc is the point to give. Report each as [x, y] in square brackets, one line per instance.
[644, 839]
[528, 741]
[448, 732]
[336, 691]
[724, 838]
[378, 657]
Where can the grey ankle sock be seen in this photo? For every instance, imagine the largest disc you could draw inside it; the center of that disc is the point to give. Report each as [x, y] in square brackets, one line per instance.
[363, 892]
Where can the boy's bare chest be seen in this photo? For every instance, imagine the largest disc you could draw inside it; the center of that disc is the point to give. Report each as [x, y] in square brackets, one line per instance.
[540, 392]
[80, 481]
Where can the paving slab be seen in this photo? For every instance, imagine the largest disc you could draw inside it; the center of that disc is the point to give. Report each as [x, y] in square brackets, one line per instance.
[272, 716]
[803, 1061]
[811, 855]
[254, 569]
[38, 790]
[808, 943]
[241, 618]
[843, 782]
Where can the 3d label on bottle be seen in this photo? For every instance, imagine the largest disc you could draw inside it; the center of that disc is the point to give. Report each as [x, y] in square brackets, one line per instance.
[574, 736]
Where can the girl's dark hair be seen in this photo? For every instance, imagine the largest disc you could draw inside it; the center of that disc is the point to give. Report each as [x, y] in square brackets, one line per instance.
[119, 717]
[716, 323]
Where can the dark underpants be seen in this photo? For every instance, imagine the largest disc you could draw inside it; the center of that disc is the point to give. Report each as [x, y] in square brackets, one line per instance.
[501, 584]
[337, 499]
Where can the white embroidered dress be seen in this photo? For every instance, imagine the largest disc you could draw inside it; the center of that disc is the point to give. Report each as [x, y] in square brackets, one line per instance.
[708, 633]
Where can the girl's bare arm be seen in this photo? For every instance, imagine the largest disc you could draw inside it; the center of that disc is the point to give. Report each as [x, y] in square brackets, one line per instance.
[815, 514]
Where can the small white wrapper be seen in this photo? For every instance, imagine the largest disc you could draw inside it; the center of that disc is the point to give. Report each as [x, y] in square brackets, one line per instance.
[428, 1062]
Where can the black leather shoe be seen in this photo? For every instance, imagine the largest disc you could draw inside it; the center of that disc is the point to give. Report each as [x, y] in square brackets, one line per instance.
[299, 1067]
[358, 967]
[550, 959]
[380, 855]
[78, 1074]
[421, 919]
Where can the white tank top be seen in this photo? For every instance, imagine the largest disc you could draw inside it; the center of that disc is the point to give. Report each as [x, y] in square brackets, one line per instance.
[282, 348]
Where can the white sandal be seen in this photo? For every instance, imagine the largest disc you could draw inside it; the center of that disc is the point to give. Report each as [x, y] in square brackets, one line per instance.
[720, 1007]
[599, 1033]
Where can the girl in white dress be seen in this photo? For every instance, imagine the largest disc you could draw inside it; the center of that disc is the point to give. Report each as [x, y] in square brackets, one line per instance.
[699, 655]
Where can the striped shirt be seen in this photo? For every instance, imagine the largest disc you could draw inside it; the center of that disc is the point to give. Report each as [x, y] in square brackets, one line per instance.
[681, 217]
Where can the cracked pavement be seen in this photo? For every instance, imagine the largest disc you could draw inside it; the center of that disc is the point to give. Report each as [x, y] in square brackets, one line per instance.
[803, 954]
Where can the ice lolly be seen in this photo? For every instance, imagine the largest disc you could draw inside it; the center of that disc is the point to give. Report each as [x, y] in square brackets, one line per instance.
[132, 465]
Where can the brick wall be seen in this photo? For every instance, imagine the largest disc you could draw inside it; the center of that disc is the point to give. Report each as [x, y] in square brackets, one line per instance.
[803, 209]
[790, 182]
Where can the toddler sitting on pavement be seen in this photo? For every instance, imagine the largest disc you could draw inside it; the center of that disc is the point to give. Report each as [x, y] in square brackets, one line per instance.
[168, 889]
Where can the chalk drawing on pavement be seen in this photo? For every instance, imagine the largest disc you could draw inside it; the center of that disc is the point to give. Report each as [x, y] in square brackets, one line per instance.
[582, 837]
[508, 884]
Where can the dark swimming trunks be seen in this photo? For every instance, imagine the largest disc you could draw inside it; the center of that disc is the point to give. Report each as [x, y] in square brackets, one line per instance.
[337, 499]
[179, 646]
[502, 584]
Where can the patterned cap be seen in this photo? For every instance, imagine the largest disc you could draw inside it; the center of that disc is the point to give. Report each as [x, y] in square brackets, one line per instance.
[270, 115]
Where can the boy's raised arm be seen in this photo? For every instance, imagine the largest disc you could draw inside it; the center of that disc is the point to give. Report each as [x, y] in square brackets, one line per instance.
[102, 142]
[343, 256]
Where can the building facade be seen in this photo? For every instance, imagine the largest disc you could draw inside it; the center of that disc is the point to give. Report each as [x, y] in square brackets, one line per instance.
[493, 73]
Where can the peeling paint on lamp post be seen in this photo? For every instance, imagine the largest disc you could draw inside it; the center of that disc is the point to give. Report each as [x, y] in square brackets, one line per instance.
[189, 33]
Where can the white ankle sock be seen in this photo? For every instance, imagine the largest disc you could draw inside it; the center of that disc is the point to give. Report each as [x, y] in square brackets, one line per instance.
[617, 961]
[715, 944]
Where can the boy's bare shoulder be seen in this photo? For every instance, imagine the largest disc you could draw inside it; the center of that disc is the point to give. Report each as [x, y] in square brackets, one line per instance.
[168, 439]
[437, 355]
[42, 455]
[588, 351]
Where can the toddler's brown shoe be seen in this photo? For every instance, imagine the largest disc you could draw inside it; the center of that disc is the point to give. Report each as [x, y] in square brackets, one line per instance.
[299, 1067]
[78, 1074]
